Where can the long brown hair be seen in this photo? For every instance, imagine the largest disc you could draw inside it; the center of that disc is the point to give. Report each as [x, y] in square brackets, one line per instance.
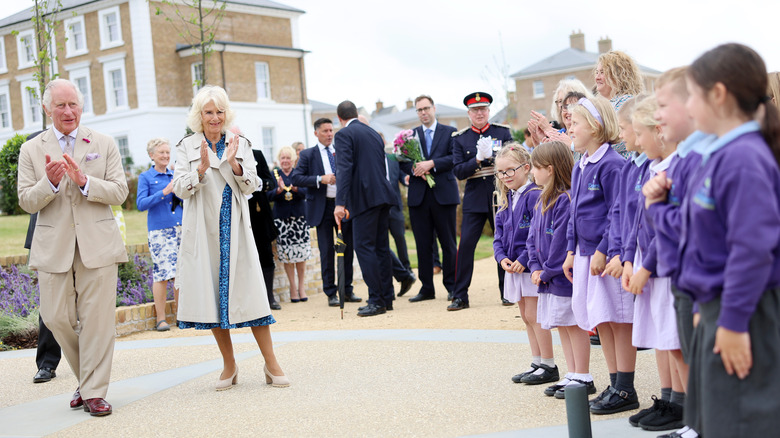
[742, 71]
[558, 155]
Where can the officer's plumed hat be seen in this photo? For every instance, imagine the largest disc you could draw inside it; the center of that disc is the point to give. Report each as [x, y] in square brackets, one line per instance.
[477, 99]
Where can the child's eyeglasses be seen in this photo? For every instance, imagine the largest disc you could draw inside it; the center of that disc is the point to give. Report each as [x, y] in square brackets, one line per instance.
[509, 172]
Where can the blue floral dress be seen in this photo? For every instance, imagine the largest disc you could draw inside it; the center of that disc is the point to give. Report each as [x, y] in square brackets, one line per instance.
[224, 265]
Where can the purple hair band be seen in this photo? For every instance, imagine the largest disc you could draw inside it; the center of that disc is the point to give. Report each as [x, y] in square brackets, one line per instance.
[591, 109]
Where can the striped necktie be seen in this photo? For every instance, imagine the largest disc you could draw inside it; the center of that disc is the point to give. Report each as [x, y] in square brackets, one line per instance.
[331, 159]
[68, 146]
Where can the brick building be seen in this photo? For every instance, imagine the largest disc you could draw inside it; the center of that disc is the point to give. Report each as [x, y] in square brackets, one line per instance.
[137, 74]
[535, 84]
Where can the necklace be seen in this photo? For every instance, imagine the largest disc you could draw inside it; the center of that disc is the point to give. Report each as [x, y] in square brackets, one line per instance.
[287, 196]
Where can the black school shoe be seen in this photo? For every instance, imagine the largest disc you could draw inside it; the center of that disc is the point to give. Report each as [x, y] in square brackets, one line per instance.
[634, 419]
[600, 396]
[615, 401]
[517, 378]
[552, 389]
[550, 374]
[667, 417]
[589, 386]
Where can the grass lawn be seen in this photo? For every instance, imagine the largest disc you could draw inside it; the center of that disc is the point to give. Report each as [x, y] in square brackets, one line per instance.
[13, 230]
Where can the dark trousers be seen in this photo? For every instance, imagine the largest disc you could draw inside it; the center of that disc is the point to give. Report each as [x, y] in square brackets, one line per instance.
[325, 232]
[49, 352]
[435, 251]
[683, 306]
[372, 246]
[266, 253]
[402, 268]
[719, 405]
[429, 220]
[470, 232]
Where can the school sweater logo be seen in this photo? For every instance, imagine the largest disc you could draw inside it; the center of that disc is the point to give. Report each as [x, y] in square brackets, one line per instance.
[703, 197]
[550, 229]
[594, 185]
[525, 222]
[638, 185]
[674, 198]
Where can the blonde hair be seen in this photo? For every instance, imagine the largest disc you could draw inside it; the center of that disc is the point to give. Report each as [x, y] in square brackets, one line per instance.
[674, 78]
[154, 143]
[621, 73]
[644, 112]
[566, 86]
[558, 155]
[607, 132]
[289, 150]
[627, 109]
[209, 93]
[513, 151]
[773, 90]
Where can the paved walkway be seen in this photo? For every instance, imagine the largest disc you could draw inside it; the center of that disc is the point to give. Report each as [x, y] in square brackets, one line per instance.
[345, 383]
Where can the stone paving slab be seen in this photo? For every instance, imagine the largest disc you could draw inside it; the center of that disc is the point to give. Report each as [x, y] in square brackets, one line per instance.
[345, 383]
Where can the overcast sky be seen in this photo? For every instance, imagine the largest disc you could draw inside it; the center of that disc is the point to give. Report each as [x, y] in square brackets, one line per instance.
[390, 51]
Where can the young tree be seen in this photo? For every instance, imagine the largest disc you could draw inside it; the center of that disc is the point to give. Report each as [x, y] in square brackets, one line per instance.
[196, 21]
[44, 17]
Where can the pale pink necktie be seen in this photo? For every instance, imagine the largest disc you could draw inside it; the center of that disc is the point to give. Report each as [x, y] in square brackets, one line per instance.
[68, 146]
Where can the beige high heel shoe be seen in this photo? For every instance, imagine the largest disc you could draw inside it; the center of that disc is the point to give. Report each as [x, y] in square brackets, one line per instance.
[275, 381]
[229, 382]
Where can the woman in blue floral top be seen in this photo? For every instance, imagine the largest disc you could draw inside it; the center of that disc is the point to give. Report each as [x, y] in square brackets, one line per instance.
[155, 194]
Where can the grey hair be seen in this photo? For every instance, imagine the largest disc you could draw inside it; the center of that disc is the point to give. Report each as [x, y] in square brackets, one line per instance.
[57, 83]
[209, 93]
[154, 143]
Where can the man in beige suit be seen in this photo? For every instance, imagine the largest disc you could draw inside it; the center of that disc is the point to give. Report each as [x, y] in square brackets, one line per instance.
[71, 175]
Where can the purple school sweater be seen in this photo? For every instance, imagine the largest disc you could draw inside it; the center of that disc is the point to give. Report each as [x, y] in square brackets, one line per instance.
[730, 244]
[547, 246]
[646, 233]
[512, 226]
[594, 190]
[623, 211]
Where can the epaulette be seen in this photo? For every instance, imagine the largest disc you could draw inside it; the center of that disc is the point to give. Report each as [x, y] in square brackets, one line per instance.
[455, 134]
[182, 139]
[502, 125]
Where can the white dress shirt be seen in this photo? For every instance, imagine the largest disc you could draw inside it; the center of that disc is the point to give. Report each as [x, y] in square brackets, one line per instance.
[331, 192]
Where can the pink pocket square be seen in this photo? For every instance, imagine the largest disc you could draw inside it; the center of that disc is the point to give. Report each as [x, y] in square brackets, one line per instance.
[93, 156]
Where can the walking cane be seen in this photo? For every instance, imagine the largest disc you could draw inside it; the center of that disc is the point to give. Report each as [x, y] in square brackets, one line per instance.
[341, 246]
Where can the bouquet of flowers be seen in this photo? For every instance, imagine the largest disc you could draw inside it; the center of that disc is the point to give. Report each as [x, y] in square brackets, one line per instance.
[406, 148]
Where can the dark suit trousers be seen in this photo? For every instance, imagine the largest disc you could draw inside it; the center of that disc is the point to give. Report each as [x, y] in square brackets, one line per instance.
[429, 220]
[266, 253]
[397, 228]
[325, 233]
[470, 231]
[49, 352]
[372, 245]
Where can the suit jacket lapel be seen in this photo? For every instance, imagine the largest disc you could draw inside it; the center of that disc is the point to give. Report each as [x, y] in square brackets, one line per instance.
[51, 145]
[82, 145]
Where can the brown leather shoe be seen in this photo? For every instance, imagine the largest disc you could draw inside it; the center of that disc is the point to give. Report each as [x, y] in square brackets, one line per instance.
[76, 401]
[97, 407]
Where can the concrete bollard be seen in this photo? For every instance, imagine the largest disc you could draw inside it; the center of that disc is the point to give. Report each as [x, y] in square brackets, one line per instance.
[578, 411]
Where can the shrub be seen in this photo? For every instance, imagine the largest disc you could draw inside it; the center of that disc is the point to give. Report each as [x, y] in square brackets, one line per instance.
[19, 294]
[134, 282]
[9, 168]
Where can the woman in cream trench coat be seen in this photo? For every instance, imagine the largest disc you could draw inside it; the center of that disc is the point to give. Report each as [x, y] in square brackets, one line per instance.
[208, 161]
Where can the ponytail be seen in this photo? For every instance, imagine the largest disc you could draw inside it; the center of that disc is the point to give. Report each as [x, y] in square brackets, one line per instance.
[770, 129]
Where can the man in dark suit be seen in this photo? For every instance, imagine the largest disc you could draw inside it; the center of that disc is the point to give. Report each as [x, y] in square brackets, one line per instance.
[315, 170]
[402, 268]
[262, 219]
[364, 189]
[433, 210]
[473, 150]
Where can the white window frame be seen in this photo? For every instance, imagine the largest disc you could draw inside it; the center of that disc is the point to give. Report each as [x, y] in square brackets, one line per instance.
[105, 41]
[5, 91]
[109, 65]
[267, 86]
[70, 49]
[193, 72]
[538, 94]
[23, 61]
[30, 118]
[3, 61]
[123, 149]
[81, 70]
[268, 149]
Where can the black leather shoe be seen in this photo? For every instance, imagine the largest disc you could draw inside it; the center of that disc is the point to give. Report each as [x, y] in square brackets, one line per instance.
[275, 306]
[669, 416]
[421, 297]
[449, 296]
[517, 377]
[634, 419]
[505, 302]
[351, 298]
[406, 285]
[44, 375]
[552, 389]
[550, 374]
[458, 304]
[590, 388]
[333, 301]
[371, 310]
[615, 401]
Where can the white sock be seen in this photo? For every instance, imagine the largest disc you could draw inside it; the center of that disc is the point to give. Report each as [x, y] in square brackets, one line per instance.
[689, 433]
[586, 377]
[569, 376]
[565, 381]
[536, 360]
[549, 362]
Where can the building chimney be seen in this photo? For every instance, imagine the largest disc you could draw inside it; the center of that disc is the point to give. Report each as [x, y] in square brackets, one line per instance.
[379, 105]
[409, 104]
[605, 45]
[577, 40]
